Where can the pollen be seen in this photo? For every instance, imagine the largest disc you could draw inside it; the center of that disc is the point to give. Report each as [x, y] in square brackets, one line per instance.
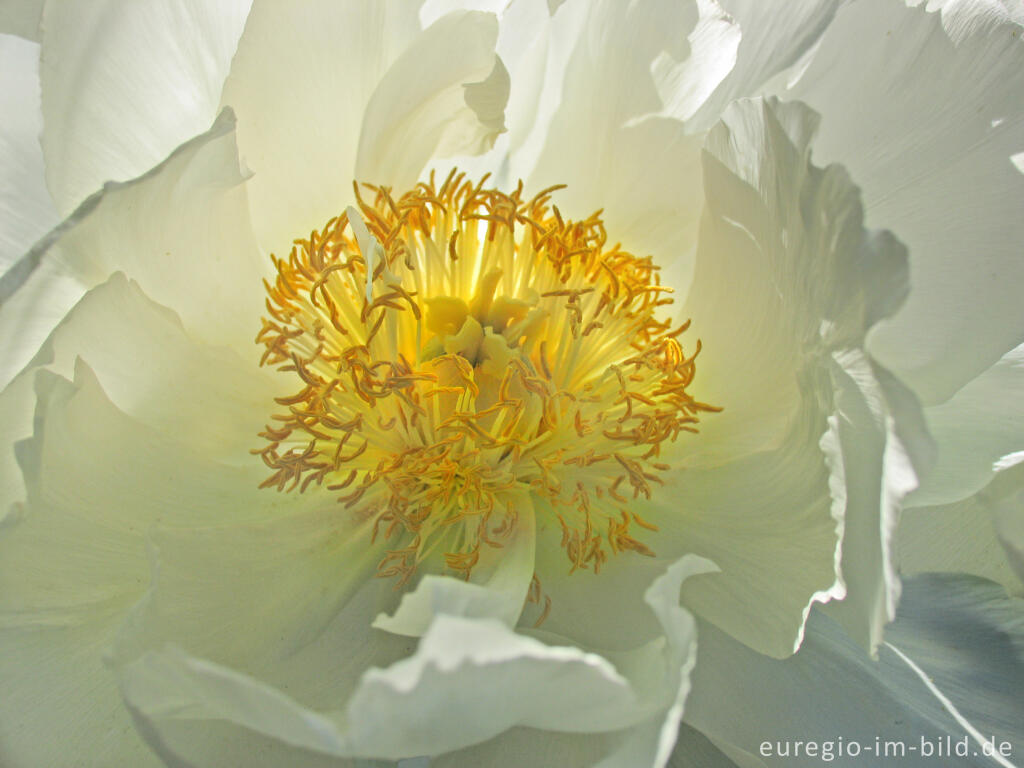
[456, 348]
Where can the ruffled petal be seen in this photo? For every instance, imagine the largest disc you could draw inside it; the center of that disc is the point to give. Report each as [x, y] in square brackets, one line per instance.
[775, 41]
[444, 95]
[877, 448]
[73, 560]
[26, 210]
[182, 231]
[125, 83]
[979, 535]
[976, 429]
[501, 582]
[645, 174]
[788, 282]
[935, 167]
[154, 372]
[385, 97]
[951, 627]
[469, 681]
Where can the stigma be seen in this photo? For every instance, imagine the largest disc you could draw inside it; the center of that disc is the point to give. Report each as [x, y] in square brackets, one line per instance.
[456, 347]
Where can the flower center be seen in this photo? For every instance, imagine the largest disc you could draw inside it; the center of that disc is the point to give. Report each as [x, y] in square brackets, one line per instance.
[457, 348]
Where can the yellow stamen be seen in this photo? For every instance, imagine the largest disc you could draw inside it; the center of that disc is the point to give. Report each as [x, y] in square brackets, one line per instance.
[458, 346]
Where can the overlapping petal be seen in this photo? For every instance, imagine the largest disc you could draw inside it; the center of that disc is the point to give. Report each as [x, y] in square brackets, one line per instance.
[488, 677]
[962, 632]
[926, 117]
[371, 98]
[245, 625]
[182, 231]
[125, 83]
[26, 210]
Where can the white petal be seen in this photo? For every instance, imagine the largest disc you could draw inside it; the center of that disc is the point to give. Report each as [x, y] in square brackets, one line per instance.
[787, 283]
[252, 593]
[645, 175]
[974, 429]
[444, 95]
[832, 689]
[769, 523]
[500, 584]
[125, 83]
[470, 680]
[952, 195]
[151, 370]
[651, 743]
[877, 449]
[444, 696]
[22, 19]
[181, 231]
[26, 210]
[776, 289]
[685, 81]
[773, 39]
[74, 560]
[300, 116]
[974, 535]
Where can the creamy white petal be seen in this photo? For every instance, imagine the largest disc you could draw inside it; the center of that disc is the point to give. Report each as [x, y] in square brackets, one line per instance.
[181, 231]
[877, 449]
[772, 527]
[788, 281]
[444, 95]
[774, 39]
[973, 535]
[300, 116]
[646, 175]
[74, 560]
[151, 370]
[927, 125]
[832, 689]
[125, 83]
[499, 588]
[685, 78]
[651, 743]
[469, 680]
[26, 210]
[778, 288]
[974, 429]
[22, 18]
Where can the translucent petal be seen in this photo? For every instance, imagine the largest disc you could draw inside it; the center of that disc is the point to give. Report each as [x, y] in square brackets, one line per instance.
[592, 141]
[26, 210]
[181, 231]
[951, 626]
[788, 282]
[498, 590]
[469, 680]
[979, 535]
[125, 83]
[74, 560]
[974, 429]
[934, 166]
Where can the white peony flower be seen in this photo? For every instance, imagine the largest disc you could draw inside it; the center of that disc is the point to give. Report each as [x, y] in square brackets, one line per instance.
[479, 486]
